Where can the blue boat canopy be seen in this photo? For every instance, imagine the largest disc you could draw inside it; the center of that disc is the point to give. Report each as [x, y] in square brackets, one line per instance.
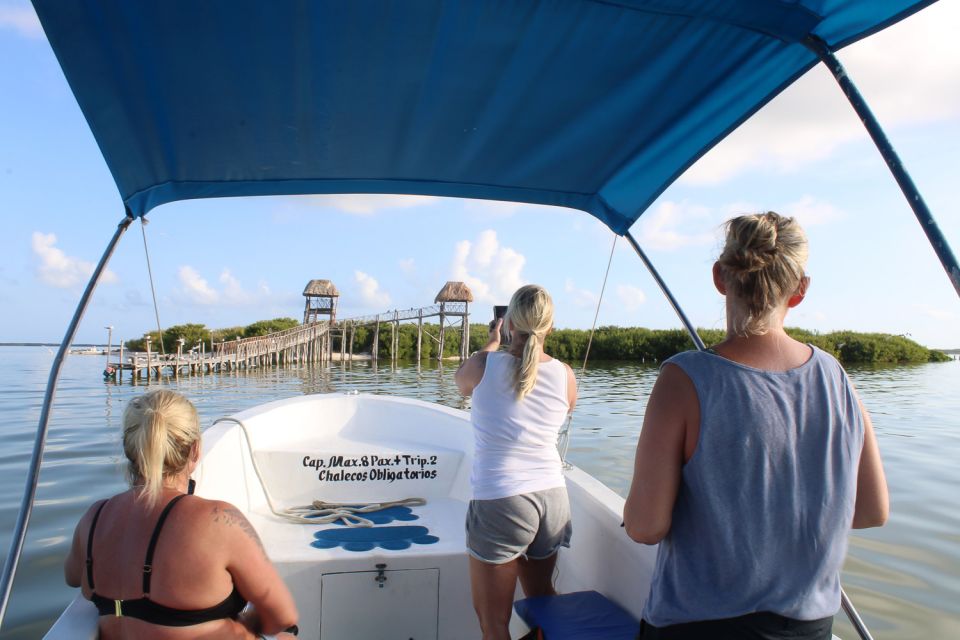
[592, 104]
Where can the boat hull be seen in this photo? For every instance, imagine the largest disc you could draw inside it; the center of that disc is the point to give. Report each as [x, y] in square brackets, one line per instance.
[365, 448]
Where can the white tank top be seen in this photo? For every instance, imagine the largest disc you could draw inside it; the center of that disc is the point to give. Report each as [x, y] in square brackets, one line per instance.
[516, 441]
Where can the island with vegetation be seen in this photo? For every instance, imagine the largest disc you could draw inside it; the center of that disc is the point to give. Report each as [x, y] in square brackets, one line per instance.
[635, 344]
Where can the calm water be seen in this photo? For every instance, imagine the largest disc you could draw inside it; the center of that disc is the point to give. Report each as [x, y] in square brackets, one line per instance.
[904, 578]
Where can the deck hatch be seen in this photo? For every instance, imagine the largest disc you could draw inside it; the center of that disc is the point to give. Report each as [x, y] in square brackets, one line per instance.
[381, 603]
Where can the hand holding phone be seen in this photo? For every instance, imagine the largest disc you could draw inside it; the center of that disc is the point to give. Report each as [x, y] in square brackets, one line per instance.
[500, 313]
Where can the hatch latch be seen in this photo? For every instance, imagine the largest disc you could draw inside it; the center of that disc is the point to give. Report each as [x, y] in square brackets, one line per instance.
[381, 575]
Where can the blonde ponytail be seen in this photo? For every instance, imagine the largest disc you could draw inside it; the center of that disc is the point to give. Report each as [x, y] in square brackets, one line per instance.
[160, 429]
[531, 314]
[527, 370]
[153, 439]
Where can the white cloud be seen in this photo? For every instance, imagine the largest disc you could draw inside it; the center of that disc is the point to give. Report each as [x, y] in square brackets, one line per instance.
[57, 269]
[485, 248]
[909, 74]
[23, 20]
[235, 294]
[582, 298]
[662, 228]
[370, 292]
[936, 313]
[365, 204]
[492, 271]
[195, 287]
[408, 266]
[809, 211]
[631, 297]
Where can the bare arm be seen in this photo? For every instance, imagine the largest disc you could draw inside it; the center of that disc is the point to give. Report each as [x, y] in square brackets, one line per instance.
[873, 499]
[253, 574]
[470, 373]
[648, 511]
[72, 572]
[75, 561]
[571, 388]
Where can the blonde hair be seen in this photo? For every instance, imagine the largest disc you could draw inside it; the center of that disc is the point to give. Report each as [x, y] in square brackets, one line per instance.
[762, 265]
[531, 314]
[160, 429]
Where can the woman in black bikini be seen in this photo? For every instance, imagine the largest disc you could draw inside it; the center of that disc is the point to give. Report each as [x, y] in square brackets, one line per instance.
[159, 564]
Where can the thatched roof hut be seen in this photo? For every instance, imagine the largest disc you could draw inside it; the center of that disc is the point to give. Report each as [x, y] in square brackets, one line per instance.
[454, 292]
[320, 288]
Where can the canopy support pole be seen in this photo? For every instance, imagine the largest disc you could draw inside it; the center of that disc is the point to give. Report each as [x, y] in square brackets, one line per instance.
[33, 473]
[666, 291]
[909, 189]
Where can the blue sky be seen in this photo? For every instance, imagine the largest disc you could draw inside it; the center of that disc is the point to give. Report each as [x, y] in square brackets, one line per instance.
[233, 261]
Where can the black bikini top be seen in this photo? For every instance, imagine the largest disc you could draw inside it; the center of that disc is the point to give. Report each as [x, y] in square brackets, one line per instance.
[146, 609]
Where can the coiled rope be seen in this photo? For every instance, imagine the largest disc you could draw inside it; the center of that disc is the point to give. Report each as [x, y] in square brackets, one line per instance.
[319, 511]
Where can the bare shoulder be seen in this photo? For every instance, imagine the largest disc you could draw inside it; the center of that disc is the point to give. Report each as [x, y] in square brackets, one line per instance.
[230, 521]
[673, 388]
[86, 520]
[214, 520]
[469, 375]
[673, 374]
[93, 509]
[477, 361]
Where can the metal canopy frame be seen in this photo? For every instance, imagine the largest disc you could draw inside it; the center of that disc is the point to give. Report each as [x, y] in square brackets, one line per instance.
[824, 53]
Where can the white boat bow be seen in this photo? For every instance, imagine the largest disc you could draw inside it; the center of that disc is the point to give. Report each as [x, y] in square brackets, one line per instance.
[408, 575]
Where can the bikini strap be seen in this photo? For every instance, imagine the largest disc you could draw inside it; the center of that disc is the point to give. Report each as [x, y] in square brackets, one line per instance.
[93, 525]
[148, 563]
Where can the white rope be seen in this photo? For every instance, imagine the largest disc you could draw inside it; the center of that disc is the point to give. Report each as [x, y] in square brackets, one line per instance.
[320, 512]
[563, 440]
[153, 291]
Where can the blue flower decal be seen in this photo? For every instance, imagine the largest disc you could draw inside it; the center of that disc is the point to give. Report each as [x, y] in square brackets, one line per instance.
[386, 516]
[368, 538]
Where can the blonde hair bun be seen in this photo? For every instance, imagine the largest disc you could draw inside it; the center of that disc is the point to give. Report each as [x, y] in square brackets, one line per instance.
[763, 263]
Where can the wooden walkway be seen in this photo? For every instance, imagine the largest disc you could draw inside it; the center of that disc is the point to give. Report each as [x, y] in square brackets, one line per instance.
[306, 343]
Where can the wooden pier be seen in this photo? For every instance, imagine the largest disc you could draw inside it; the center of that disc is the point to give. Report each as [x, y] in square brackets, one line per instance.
[310, 342]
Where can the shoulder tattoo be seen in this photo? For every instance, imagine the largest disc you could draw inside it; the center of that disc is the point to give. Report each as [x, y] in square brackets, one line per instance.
[232, 517]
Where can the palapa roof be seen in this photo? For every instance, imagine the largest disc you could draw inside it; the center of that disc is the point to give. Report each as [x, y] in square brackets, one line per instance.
[454, 292]
[320, 288]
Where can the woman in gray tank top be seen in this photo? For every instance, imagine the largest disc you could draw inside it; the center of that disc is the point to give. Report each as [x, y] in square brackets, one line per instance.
[754, 461]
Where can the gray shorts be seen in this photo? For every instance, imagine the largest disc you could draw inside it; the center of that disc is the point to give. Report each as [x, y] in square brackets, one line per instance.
[534, 524]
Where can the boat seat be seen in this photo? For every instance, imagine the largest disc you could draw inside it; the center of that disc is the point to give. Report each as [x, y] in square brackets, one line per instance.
[582, 615]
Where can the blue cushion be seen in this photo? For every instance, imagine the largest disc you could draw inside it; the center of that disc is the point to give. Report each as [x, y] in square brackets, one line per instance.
[583, 615]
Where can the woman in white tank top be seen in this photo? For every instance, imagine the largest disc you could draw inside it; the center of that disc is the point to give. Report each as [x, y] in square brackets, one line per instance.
[519, 515]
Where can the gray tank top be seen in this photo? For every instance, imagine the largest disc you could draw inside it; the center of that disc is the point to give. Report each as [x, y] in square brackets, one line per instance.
[766, 501]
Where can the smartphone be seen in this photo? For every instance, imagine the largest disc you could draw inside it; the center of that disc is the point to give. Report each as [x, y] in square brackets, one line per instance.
[500, 311]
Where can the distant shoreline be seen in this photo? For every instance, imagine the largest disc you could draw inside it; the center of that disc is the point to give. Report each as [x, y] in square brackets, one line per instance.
[955, 351]
[49, 344]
